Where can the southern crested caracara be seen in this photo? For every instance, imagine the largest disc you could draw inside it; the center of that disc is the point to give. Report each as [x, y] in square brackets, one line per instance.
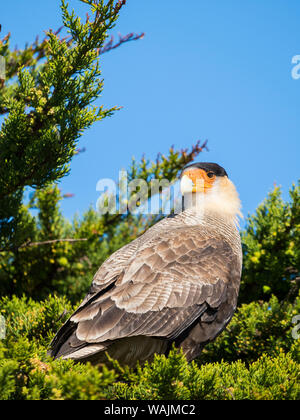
[177, 283]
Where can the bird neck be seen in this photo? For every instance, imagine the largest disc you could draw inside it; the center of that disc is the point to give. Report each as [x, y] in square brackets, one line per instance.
[210, 205]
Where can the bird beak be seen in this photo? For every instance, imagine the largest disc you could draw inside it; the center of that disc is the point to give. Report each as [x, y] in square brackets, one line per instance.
[195, 181]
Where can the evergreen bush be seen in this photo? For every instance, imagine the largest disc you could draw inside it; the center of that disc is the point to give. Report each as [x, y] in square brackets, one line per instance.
[47, 262]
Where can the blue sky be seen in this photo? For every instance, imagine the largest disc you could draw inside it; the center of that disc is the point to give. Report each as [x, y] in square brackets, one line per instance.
[206, 69]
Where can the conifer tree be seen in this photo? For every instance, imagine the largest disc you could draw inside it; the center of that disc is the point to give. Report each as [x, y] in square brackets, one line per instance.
[47, 100]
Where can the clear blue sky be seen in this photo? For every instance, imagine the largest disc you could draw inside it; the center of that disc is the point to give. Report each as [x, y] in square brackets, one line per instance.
[206, 69]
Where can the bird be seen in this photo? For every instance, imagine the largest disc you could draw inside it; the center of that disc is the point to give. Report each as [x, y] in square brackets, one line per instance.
[175, 285]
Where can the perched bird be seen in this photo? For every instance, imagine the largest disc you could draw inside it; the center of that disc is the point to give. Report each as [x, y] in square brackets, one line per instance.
[176, 283]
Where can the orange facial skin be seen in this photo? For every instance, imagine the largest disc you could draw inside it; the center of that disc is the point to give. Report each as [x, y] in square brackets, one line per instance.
[202, 180]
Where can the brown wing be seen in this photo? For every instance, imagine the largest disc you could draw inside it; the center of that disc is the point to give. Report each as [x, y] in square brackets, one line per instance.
[170, 280]
[111, 269]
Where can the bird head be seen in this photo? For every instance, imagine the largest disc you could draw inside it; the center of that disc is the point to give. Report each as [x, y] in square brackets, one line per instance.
[208, 184]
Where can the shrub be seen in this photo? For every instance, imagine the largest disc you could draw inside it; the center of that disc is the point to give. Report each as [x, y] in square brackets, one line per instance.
[172, 377]
[271, 248]
[248, 370]
[256, 328]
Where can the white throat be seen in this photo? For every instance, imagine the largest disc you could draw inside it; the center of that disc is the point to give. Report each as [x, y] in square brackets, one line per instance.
[222, 200]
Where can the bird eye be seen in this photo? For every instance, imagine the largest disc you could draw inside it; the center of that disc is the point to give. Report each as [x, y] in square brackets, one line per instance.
[210, 174]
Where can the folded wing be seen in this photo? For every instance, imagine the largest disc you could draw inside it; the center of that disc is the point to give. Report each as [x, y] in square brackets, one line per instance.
[158, 287]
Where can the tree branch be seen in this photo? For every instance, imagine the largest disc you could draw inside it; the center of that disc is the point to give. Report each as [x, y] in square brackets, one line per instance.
[122, 39]
[53, 241]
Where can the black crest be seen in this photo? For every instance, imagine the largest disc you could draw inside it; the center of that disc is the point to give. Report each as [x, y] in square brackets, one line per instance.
[208, 167]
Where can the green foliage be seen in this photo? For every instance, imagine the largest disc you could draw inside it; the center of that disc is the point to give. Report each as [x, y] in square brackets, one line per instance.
[31, 320]
[48, 107]
[31, 379]
[256, 328]
[26, 372]
[271, 245]
[173, 378]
